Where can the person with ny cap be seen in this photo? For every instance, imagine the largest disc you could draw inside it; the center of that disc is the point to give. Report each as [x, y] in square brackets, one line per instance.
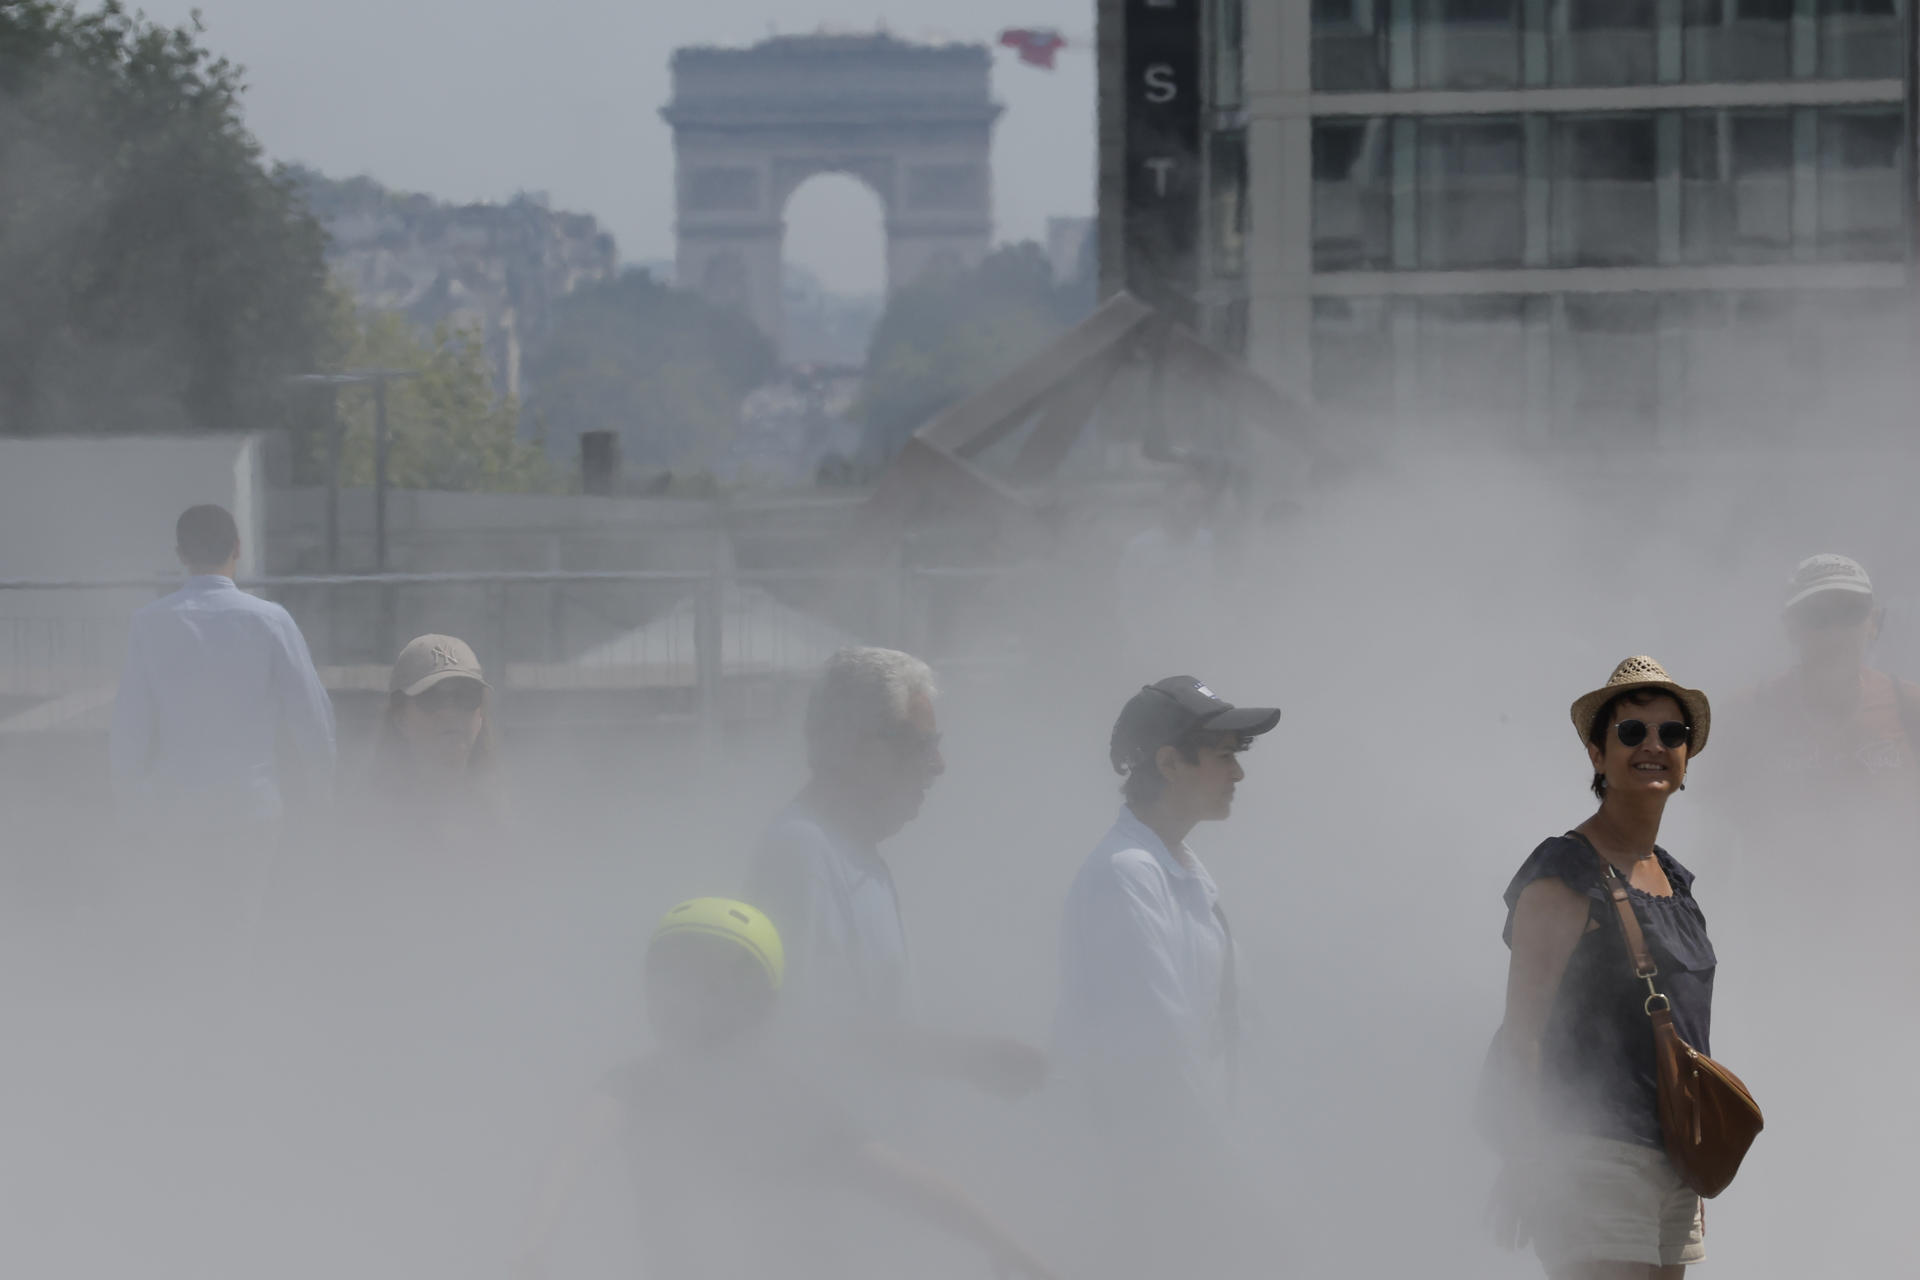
[1147, 1025]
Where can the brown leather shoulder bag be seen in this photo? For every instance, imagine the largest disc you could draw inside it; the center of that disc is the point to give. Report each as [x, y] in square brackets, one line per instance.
[1707, 1117]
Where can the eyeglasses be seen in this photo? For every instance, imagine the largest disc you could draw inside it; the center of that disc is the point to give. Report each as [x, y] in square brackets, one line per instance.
[459, 695]
[1673, 733]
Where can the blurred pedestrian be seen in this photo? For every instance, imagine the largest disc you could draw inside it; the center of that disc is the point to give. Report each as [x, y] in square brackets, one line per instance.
[436, 760]
[732, 1148]
[216, 682]
[1147, 1030]
[1832, 744]
[873, 752]
[222, 750]
[1586, 1176]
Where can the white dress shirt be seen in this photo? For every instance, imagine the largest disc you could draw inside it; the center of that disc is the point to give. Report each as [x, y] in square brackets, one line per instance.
[215, 679]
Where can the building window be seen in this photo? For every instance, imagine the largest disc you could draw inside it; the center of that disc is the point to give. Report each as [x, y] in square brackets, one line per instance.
[1227, 202]
[1472, 368]
[1738, 39]
[1736, 175]
[1863, 204]
[1862, 39]
[1605, 210]
[1607, 365]
[1350, 45]
[1353, 354]
[1471, 193]
[1469, 44]
[1607, 42]
[1352, 195]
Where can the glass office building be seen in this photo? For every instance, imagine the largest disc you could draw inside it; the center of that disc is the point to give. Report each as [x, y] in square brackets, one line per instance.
[1550, 218]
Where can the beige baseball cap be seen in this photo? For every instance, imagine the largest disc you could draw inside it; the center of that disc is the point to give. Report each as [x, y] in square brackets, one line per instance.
[427, 660]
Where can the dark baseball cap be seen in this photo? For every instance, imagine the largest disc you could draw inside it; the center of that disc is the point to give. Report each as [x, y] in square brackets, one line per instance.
[1164, 712]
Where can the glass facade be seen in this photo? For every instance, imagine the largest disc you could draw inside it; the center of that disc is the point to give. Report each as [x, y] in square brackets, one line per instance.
[1374, 45]
[1617, 367]
[1443, 187]
[1621, 189]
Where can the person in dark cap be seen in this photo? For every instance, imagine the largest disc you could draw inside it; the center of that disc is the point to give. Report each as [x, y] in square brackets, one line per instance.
[1147, 1025]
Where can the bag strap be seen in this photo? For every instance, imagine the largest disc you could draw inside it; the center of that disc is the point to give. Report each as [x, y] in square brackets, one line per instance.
[1644, 969]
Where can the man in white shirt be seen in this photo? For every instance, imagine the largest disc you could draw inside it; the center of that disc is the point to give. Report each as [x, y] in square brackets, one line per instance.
[214, 679]
[216, 683]
[873, 750]
[1147, 1027]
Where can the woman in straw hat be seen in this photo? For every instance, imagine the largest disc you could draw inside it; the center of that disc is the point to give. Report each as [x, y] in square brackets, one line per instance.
[1587, 1177]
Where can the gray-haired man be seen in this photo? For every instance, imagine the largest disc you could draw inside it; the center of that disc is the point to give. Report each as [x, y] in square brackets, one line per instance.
[873, 752]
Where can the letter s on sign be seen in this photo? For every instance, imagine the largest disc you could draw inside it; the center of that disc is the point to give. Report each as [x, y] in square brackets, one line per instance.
[1161, 88]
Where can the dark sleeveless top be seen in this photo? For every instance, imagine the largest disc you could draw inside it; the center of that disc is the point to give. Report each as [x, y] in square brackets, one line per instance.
[1596, 1056]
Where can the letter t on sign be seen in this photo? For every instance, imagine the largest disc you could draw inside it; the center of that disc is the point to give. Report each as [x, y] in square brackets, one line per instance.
[1161, 167]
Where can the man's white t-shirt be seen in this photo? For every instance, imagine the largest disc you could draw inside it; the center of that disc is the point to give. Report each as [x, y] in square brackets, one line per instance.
[1142, 961]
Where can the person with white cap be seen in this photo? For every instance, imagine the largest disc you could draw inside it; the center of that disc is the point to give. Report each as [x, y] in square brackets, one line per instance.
[1832, 736]
[1822, 796]
[1147, 1027]
[1573, 1098]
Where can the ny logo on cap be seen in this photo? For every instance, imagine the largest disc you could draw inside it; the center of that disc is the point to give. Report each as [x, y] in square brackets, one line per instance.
[443, 657]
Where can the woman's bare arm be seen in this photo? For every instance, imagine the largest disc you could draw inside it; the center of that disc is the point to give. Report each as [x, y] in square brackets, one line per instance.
[1548, 921]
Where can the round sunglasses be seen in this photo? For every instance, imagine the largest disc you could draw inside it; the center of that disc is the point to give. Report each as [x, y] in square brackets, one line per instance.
[1673, 733]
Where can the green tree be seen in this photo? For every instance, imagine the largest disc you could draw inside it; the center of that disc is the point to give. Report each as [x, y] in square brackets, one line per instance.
[947, 337]
[157, 277]
[447, 429]
[661, 366]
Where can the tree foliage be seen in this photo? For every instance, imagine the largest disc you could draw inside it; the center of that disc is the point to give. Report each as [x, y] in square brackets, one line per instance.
[447, 429]
[660, 366]
[156, 276]
[946, 337]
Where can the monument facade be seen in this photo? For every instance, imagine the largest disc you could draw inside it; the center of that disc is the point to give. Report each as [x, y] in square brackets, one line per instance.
[913, 122]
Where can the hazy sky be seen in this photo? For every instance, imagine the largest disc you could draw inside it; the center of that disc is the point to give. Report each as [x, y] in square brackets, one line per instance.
[478, 99]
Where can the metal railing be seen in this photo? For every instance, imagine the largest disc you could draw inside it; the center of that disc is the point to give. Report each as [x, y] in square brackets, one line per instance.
[689, 641]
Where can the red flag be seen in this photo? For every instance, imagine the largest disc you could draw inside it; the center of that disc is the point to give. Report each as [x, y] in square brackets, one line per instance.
[1036, 47]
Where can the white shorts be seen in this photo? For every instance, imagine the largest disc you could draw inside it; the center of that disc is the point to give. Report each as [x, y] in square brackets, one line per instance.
[1606, 1201]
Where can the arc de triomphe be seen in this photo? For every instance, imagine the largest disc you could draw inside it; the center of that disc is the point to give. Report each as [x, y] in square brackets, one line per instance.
[914, 122]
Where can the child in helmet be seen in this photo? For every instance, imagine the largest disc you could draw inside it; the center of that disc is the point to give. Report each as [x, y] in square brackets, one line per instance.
[724, 1141]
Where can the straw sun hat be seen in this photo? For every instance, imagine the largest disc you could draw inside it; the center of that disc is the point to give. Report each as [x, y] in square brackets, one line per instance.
[1644, 673]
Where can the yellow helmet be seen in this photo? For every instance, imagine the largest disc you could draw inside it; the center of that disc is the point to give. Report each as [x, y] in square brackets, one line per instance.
[745, 926]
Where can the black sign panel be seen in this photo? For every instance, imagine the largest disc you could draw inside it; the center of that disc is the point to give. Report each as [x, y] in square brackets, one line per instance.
[1164, 191]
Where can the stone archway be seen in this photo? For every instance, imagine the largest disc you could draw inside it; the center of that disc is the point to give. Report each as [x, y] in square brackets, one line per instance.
[913, 122]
